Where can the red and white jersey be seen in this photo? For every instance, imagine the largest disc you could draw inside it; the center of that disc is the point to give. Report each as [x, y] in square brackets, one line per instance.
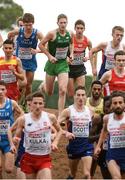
[37, 135]
[79, 50]
[116, 83]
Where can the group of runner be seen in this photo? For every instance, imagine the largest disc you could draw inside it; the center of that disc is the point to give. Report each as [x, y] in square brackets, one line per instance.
[37, 132]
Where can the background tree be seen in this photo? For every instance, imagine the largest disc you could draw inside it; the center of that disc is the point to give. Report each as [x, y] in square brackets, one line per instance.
[9, 12]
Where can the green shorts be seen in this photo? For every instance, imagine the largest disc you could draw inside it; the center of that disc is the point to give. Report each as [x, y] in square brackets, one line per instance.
[57, 68]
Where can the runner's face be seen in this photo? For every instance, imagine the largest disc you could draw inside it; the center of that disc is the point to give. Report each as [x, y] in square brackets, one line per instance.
[2, 91]
[120, 61]
[62, 23]
[28, 103]
[28, 26]
[8, 50]
[20, 23]
[107, 107]
[96, 91]
[80, 97]
[117, 36]
[37, 105]
[118, 105]
[79, 29]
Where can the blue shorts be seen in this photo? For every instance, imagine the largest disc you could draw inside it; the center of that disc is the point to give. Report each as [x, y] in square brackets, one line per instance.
[5, 146]
[29, 65]
[80, 155]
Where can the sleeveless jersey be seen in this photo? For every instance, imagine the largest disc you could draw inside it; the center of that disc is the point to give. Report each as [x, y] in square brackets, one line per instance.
[7, 75]
[37, 135]
[79, 50]
[6, 119]
[116, 144]
[96, 109]
[60, 46]
[108, 57]
[79, 124]
[116, 83]
[23, 49]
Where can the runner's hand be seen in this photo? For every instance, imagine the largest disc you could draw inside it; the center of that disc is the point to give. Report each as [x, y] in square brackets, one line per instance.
[33, 51]
[52, 59]
[70, 135]
[54, 147]
[13, 149]
[85, 59]
[97, 151]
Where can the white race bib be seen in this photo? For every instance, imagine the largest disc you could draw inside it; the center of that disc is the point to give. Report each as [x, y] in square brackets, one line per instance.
[8, 76]
[80, 129]
[61, 53]
[25, 53]
[4, 126]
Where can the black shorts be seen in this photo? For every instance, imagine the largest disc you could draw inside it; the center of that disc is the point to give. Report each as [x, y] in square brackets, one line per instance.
[76, 71]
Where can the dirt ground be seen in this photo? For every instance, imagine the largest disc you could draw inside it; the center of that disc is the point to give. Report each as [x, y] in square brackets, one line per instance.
[59, 162]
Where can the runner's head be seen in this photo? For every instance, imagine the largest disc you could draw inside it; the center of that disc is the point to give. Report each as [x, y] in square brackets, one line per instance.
[79, 27]
[117, 34]
[118, 102]
[3, 89]
[62, 21]
[28, 21]
[80, 96]
[8, 47]
[37, 103]
[96, 89]
[119, 58]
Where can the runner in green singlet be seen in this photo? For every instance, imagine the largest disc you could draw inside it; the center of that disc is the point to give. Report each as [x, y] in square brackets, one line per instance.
[59, 52]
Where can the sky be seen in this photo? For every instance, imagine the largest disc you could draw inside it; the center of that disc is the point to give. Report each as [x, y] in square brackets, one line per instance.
[99, 16]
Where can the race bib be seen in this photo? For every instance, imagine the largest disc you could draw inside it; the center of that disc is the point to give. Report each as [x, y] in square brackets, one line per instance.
[39, 143]
[61, 53]
[78, 59]
[80, 129]
[109, 64]
[4, 126]
[117, 140]
[25, 53]
[8, 76]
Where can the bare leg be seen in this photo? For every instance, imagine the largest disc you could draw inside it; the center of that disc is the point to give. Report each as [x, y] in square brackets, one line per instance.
[62, 83]
[29, 77]
[31, 176]
[49, 84]
[70, 88]
[9, 162]
[20, 174]
[114, 169]
[86, 164]
[73, 164]
[80, 81]
[44, 174]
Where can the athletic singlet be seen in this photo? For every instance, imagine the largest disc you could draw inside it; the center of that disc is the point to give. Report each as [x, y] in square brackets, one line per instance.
[116, 83]
[96, 109]
[108, 58]
[23, 49]
[79, 124]
[60, 46]
[6, 119]
[7, 75]
[24, 45]
[116, 144]
[37, 135]
[109, 55]
[79, 50]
